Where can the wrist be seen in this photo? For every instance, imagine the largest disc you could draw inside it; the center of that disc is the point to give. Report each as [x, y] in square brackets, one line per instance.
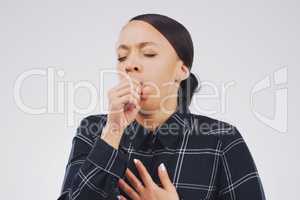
[112, 135]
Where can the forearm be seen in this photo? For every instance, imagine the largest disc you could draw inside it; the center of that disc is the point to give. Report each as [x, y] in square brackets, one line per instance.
[94, 167]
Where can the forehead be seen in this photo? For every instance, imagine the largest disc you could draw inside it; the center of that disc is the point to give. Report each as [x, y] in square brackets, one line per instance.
[140, 34]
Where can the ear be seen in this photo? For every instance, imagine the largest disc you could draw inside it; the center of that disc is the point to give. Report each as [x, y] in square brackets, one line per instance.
[186, 72]
[182, 73]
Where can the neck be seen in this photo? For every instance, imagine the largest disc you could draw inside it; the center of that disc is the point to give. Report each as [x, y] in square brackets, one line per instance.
[154, 119]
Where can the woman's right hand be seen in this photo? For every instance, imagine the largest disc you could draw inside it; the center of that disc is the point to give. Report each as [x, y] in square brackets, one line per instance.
[124, 104]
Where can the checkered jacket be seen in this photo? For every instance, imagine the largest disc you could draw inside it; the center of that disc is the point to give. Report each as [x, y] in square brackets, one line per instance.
[205, 159]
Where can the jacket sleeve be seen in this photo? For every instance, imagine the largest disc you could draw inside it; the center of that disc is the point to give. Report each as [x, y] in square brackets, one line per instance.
[238, 175]
[94, 166]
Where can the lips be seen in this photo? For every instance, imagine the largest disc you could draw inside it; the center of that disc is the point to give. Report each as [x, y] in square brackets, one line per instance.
[145, 91]
[143, 98]
[143, 95]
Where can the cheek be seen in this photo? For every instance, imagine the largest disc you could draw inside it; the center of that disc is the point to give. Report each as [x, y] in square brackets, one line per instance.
[161, 72]
[158, 88]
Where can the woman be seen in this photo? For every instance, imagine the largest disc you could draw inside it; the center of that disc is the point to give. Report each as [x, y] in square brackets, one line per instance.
[149, 145]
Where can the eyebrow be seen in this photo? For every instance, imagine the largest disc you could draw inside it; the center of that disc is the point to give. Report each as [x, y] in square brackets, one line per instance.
[139, 45]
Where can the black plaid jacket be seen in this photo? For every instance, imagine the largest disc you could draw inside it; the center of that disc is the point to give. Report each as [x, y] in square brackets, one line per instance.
[205, 158]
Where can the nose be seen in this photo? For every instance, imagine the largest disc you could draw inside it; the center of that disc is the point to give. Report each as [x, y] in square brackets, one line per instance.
[133, 71]
[132, 65]
[132, 68]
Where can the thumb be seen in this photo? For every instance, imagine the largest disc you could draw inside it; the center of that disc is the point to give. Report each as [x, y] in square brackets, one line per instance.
[164, 177]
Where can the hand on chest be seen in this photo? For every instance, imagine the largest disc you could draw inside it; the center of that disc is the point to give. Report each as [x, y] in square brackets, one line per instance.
[192, 172]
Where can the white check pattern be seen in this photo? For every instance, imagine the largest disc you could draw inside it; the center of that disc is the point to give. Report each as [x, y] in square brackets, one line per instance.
[205, 158]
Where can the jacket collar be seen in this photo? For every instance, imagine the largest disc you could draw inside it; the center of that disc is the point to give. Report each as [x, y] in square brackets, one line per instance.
[170, 131]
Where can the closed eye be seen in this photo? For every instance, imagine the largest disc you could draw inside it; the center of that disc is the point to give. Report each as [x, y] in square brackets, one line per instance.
[150, 55]
[121, 59]
[147, 55]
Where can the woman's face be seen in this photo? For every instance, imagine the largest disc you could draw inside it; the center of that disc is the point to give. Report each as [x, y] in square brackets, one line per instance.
[145, 55]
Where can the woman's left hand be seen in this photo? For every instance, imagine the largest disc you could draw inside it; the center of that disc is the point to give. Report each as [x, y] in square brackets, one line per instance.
[148, 190]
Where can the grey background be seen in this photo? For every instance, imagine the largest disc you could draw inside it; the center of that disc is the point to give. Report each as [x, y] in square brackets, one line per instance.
[235, 41]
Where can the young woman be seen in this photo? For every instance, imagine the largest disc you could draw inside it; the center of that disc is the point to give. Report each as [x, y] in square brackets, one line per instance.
[150, 146]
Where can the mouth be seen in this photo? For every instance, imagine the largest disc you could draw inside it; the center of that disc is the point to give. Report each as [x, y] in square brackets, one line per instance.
[143, 98]
[142, 94]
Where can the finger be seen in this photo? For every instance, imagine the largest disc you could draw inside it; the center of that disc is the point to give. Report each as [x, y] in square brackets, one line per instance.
[128, 190]
[121, 197]
[125, 91]
[125, 80]
[134, 181]
[124, 76]
[127, 99]
[131, 82]
[122, 83]
[136, 86]
[164, 177]
[147, 180]
[133, 85]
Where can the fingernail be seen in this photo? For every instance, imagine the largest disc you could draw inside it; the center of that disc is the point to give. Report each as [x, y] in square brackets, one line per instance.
[119, 197]
[135, 161]
[162, 167]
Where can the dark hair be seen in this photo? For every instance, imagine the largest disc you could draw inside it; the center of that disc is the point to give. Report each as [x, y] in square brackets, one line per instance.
[179, 37]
